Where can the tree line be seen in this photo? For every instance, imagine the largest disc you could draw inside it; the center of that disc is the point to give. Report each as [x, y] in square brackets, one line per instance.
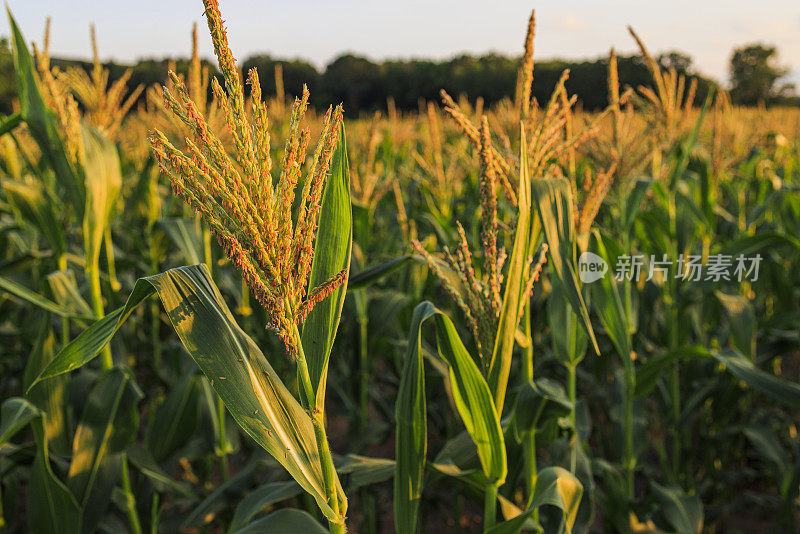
[364, 85]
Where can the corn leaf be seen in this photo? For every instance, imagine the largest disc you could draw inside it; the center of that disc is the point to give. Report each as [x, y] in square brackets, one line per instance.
[41, 121]
[538, 401]
[239, 372]
[103, 184]
[51, 396]
[38, 300]
[260, 498]
[608, 304]
[554, 486]
[15, 414]
[107, 426]
[186, 235]
[682, 511]
[749, 245]
[198, 516]
[91, 341]
[36, 207]
[633, 204]
[516, 279]
[364, 471]
[778, 388]
[287, 521]
[473, 401]
[372, 274]
[65, 290]
[176, 420]
[10, 123]
[553, 202]
[331, 254]
[51, 507]
[411, 442]
[569, 338]
[743, 327]
[142, 460]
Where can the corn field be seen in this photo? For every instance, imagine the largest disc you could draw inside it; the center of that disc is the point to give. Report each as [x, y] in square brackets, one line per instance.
[222, 313]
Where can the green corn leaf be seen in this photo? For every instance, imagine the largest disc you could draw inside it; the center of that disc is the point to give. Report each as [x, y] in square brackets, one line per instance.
[648, 374]
[186, 235]
[376, 272]
[38, 300]
[780, 389]
[331, 254]
[773, 386]
[34, 205]
[763, 241]
[411, 442]
[516, 279]
[103, 184]
[15, 414]
[555, 487]
[10, 123]
[461, 451]
[633, 204]
[41, 121]
[239, 372]
[569, 338]
[608, 304]
[742, 318]
[553, 202]
[768, 445]
[242, 376]
[176, 419]
[364, 471]
[676, 171]
[107, 427]
[683, 512]
[260, 498]
[287, 521]
[91, 341]
[473, 401]
[51, 507]
[197, 516]
[536, 402]
[51, 396]
[65, 290]
[142, 460]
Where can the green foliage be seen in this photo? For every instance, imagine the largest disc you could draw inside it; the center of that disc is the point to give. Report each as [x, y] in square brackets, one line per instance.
[685, 422]
[331, 255]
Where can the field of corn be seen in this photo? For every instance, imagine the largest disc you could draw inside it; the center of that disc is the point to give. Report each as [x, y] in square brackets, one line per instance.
[241, 315]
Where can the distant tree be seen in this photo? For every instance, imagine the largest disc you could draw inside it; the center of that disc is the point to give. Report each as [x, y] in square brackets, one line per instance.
[354, 81]
[491, 76]
[754, 75]
[364, 85]
[675, 60]
[8, 83]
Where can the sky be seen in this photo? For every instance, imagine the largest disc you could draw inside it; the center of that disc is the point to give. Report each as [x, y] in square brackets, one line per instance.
[318, 31]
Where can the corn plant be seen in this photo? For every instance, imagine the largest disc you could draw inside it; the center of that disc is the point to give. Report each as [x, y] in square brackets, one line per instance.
[479, 382]
[289, 274]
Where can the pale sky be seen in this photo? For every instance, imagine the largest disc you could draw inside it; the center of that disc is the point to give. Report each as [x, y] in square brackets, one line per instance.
[320, 30]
